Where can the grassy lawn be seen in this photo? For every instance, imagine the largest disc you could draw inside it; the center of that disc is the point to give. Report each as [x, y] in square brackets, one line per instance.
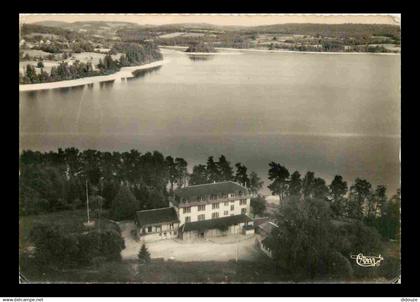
[71, 221]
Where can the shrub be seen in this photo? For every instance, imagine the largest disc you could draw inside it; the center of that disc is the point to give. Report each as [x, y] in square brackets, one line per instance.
[55, 247]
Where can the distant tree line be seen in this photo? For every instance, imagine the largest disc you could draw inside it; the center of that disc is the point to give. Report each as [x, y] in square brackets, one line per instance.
[329, 45]
[330, 30]
[28, 29]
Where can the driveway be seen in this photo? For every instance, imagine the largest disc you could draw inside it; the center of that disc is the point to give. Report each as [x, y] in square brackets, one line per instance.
[215, 249]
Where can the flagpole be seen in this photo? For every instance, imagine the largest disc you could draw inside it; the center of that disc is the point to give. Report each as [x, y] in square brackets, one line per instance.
[87, 201]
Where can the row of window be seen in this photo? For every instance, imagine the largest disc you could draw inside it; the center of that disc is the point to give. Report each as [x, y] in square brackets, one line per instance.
[214, 206]
[213, 215]
[157, 229]
[163, 233]
[215, 196]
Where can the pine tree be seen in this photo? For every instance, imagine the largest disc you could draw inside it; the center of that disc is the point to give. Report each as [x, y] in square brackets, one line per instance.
[255, 183]
[241, 175]
[199, 175]
[225, 170]
[212, 171]
[295, 184]
[144, 254]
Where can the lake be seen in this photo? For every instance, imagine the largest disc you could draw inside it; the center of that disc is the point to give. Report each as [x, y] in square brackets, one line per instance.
[331, 114]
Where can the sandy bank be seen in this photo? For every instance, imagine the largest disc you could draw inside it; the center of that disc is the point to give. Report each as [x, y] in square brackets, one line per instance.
[125, 72]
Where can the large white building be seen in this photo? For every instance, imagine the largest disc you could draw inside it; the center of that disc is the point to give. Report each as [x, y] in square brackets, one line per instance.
[203, 211]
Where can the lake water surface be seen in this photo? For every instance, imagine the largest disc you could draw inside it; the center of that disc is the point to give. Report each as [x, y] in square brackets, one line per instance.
[331, 114]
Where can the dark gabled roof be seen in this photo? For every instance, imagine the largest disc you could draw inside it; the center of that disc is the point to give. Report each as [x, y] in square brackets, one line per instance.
[156, 216]
[218, 223]
[225, 187]
[267, 227]
[261, 220]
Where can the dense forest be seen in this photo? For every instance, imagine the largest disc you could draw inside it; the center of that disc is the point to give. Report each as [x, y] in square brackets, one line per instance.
[56, 181]
[326, 224]
[359, 202]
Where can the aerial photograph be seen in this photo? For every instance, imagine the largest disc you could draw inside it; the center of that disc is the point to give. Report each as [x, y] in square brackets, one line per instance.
[211, 148]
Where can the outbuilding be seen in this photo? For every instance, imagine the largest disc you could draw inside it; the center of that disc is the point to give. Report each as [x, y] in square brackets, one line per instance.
[157, 224]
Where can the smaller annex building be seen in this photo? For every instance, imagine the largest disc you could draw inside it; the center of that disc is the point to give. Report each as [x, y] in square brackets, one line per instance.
[157, 224]
[264, 227]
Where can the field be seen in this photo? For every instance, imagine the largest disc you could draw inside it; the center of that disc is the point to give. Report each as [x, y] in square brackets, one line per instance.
[84, 57]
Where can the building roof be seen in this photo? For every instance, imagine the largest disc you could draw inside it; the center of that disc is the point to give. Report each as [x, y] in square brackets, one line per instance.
[267, 227]
[156, 216]
[260, 220]
[218, 223]
[224, 187]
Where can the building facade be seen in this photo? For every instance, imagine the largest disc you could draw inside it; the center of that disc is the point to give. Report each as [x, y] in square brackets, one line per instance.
[157, 224]
[211, 201]
[212, 209]
[199, 211]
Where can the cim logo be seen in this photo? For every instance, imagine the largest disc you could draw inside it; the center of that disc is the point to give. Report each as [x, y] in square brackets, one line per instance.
[367, 261]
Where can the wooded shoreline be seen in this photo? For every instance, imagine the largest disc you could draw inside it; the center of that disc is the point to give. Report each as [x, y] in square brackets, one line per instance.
[124, 72]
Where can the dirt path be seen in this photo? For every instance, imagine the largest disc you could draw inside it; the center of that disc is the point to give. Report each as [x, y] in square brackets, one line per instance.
[218, 249]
